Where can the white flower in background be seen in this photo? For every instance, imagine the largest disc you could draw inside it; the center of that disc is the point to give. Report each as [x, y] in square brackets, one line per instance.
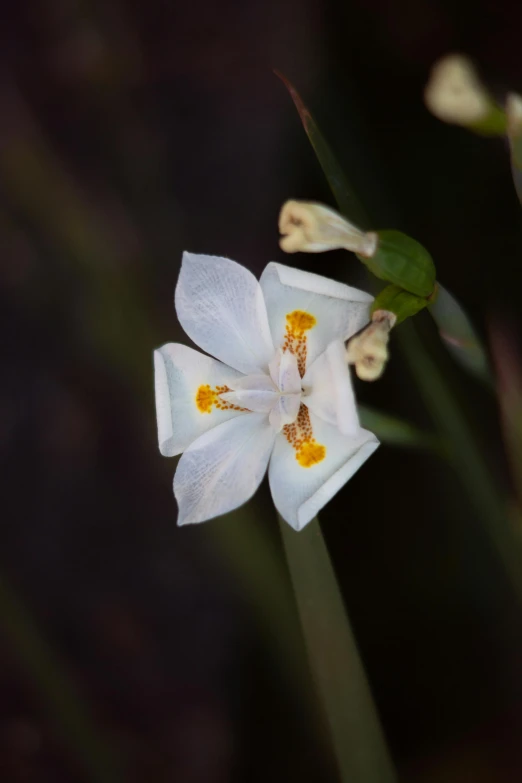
[455, 93]
[277, 395]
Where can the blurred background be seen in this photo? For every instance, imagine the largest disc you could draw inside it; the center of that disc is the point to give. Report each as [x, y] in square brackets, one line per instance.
[131, 650]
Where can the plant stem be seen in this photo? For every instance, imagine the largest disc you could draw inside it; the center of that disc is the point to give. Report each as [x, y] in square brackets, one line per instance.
[357, 738]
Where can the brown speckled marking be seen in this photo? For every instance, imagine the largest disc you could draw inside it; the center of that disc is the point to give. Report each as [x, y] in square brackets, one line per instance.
[298, 322]
[301, 437]
[207, 398]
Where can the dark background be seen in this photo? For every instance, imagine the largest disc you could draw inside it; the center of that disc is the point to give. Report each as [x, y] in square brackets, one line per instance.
[130, 131]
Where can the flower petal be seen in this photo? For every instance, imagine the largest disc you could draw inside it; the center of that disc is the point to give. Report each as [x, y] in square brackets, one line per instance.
[299, 492]
[260, 382]
[337, 310]
[223, 468]
[329, 392]
[258, 400]
[285, 411]
[220, 306]
[284, 372]
[179, 372]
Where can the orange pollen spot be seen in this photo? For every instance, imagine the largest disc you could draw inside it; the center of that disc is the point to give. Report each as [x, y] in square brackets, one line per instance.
[298, 323]
[310, 454]
[301, 437]
[207, 398]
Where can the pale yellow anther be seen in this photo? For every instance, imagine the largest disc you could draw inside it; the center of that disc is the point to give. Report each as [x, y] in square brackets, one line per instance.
[368, 350]
[313, 228]
[455, 93]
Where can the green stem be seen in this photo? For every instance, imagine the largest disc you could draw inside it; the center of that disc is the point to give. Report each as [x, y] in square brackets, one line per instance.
[70, 717]
[464, 452]
[357, 737]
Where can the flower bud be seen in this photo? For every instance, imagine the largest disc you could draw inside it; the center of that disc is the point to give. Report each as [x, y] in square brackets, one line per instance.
[403, 261]
[456, 95]
[313, 228]
[399, 302]
[368, 350]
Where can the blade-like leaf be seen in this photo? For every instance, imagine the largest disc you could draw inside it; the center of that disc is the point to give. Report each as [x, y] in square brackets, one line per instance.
[347, 201]
[508, 365]
[397, 432]
[515, 148]
[458, 334]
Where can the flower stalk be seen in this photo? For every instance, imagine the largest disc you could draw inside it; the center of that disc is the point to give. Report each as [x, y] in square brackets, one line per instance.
[357, 737]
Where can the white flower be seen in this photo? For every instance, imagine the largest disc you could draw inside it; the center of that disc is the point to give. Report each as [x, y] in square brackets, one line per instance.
[278, 392]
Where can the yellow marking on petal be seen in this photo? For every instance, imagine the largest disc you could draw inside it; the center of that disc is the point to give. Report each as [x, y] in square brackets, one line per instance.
[310, 454]
[207, 398]
[301, 437]
[298, 322]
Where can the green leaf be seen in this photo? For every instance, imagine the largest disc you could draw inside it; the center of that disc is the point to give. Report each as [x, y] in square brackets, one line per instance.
[399, 302]
[459, 335]
[508, 368]
[397, 432]
[347, 201]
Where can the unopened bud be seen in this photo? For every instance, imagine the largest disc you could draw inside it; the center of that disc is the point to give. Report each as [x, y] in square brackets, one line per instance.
[368, 350]
[456, 95]
[313, 228]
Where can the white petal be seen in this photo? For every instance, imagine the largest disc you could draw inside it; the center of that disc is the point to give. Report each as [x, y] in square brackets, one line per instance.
[223, 468]
[179, 372]
[253, 382]
[261, 401]
[285, 373]
[339, 310]
[220, 306]
[328, 389]
[285, 412]
[299, 493]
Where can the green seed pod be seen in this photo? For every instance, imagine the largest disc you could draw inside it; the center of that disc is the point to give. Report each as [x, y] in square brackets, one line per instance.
[401, 260]
[399, 302]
